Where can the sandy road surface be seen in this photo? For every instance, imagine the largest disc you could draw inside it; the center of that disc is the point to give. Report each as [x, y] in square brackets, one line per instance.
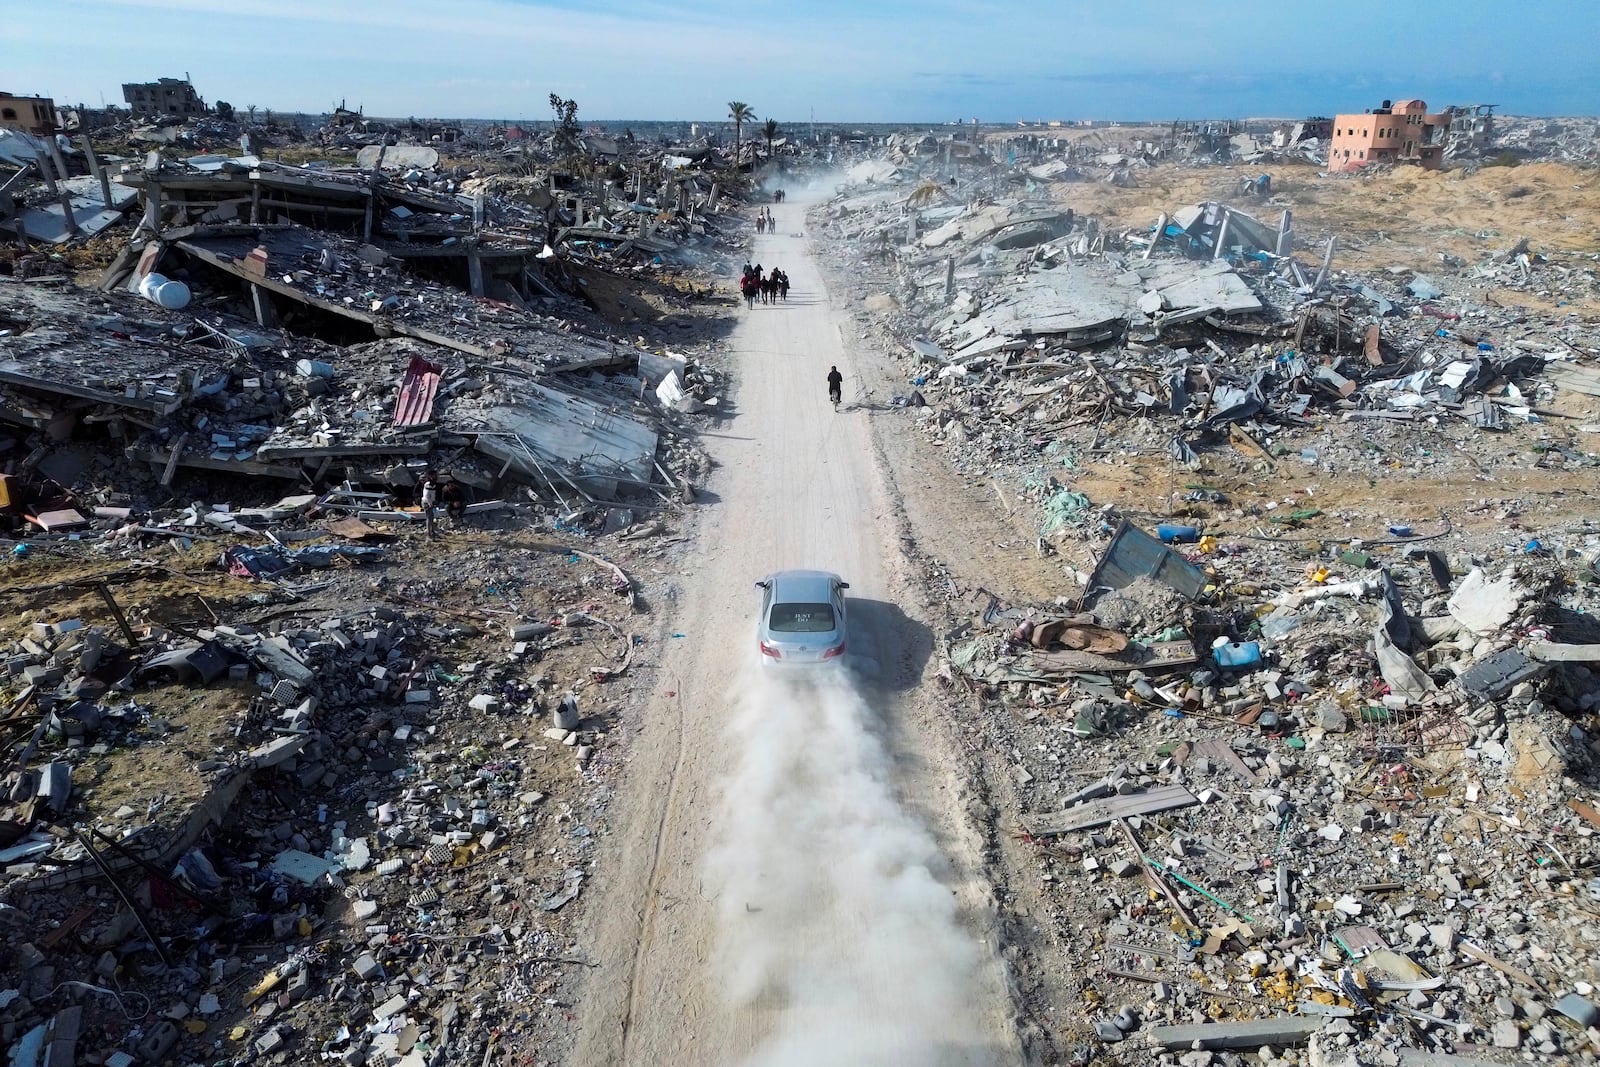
[791, 881]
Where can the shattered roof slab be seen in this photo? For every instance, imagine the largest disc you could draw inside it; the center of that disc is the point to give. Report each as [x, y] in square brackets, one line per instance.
[589, 444]
[1211, 286]
[48, 222]
[116, 360]
[1083, 298]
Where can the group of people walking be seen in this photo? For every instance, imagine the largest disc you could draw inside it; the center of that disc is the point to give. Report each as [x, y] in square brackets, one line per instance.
[767, 288]
[765, 223]
[778, 196]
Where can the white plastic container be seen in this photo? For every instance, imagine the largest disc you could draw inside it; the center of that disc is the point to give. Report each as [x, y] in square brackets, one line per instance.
[159, 289]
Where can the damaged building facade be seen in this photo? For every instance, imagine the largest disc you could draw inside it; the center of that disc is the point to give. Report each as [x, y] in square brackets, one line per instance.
[34, 115]
[1402, 132]
[164, 96]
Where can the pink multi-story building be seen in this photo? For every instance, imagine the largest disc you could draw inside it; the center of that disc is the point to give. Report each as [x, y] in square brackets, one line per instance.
[1402, 132]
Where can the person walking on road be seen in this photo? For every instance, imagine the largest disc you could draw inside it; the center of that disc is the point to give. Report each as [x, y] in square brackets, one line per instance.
[835, 386]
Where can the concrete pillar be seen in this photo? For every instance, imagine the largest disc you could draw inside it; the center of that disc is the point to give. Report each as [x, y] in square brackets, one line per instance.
[261, 304]
[66, 211]
[911, 229]
[1327, 264]
[949, 279]
[98, 171]
[475, 270]
[45, 172]
[477, 210]
[638, 185]
[683, 199]
[1221, 249]
[1160, 234]
[1285, 233]
[55, 154]
[152, 208]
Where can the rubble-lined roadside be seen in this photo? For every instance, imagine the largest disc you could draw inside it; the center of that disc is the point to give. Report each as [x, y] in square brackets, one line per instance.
[286, 777]
[1302, 742]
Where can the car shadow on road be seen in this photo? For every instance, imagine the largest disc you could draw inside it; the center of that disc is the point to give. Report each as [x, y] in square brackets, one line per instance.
[888, 648]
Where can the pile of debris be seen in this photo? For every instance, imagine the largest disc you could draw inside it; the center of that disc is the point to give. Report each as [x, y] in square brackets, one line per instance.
[343, 824]
[1290, 772]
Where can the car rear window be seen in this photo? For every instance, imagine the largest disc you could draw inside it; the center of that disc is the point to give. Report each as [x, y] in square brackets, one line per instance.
[801, 618]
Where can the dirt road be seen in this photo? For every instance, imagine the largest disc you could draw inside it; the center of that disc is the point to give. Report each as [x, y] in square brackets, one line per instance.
[792, 880]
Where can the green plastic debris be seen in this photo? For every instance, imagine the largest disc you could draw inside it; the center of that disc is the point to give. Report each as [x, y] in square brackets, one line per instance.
[1063, 508]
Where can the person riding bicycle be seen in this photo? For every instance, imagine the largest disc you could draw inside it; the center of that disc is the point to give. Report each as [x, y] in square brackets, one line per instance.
[835, 385]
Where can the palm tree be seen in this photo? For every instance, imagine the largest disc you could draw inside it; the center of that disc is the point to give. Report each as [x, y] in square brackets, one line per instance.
[740, 113]
[771, 132]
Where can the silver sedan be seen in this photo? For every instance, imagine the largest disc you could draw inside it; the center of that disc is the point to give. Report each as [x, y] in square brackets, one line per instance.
[802, 619]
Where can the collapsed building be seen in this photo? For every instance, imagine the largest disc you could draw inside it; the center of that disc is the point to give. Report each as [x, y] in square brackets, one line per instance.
[228, 375]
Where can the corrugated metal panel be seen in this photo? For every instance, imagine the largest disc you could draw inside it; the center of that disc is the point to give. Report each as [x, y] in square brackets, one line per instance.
[414, 405]
[1134, 554]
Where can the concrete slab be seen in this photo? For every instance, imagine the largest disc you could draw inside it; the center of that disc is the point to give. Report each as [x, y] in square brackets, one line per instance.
[48, 222]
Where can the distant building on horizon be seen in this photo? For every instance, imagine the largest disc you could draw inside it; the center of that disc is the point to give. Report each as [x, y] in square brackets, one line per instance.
[1288, 134]
[34, 115]
[1402, 132]
[164, 96]
[1471, 129]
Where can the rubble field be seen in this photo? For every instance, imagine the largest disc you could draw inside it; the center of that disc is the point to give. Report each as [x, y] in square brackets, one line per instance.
[1278, 689]
[1260, 536]
[295, 766]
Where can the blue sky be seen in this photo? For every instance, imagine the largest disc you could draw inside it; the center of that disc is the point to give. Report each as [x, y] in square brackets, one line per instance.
[886, 61]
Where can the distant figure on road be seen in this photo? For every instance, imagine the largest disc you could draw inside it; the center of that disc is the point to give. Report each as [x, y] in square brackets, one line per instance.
[835, 386]
[783, 285]
[761, 223]
[748, 286]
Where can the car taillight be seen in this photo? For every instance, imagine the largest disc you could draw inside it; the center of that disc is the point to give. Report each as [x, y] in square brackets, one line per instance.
[768, 650]
[836, 650]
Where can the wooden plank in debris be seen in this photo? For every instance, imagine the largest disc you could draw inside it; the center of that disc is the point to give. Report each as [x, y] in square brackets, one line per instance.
[1472, 951]
[1279, 1030]
[1373, 353]
[1223, 753]
[1159, 656]
[1248, 445]
[1585, 812]
[1109, 809]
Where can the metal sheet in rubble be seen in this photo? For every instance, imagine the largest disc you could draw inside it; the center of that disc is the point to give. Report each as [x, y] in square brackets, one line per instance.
[1134, 554]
